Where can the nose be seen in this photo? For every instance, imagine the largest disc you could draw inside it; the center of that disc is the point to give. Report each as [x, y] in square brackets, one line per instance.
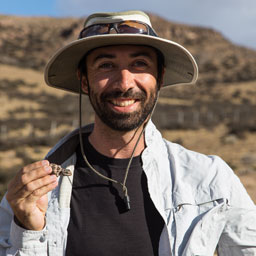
[125, 80]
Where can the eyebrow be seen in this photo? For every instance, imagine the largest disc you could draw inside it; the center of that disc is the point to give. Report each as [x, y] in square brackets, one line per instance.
[138, 54]
[112, 56]
[103, 56]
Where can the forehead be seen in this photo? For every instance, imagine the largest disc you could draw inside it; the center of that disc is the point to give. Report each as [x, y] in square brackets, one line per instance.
[122, 50]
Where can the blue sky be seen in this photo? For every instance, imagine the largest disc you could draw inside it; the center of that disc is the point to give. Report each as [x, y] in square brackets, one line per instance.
[235, 19]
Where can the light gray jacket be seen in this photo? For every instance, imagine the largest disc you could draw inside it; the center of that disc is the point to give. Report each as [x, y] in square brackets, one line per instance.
[200, 199]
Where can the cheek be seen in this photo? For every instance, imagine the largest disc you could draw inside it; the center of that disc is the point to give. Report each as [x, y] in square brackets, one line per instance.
[148, 82]
[96, 79]
[98, 84]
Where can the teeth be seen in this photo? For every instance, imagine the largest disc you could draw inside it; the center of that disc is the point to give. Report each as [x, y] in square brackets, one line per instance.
[123, 103]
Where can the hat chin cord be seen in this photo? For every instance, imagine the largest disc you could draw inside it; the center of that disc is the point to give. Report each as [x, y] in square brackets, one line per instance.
[126, 198]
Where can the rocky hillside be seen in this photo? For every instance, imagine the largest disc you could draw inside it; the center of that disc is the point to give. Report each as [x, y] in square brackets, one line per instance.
[217, 116]
[31, 41]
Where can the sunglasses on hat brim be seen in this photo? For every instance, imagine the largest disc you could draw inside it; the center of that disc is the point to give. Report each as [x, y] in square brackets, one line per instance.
[122, 27]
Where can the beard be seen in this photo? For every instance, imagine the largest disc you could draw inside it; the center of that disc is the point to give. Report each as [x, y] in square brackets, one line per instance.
[123, 121]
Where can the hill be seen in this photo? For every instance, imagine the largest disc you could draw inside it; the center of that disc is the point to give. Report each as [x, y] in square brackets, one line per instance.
[217, 116]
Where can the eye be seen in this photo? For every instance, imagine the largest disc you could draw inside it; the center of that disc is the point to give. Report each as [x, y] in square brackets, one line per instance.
[106, 65]
[140, 64]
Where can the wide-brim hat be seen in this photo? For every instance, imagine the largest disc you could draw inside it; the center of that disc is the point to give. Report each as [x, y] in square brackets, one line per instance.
[61, 70]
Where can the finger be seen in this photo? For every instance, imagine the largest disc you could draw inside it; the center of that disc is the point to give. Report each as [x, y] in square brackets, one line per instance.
[38, 193]
[23, 197]
[21, 187]
[28, 174]
[31, 209]
[35, 165]
[35, 185]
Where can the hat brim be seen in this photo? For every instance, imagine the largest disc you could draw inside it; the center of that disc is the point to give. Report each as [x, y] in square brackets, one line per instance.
[61, 70]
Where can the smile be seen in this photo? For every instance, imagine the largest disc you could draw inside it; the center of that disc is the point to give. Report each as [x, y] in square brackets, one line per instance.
[122, 103]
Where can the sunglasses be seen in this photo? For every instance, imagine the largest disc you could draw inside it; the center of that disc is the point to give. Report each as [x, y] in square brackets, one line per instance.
[122, 27]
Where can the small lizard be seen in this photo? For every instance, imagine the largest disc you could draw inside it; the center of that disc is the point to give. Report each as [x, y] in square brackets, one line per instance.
[58, 170]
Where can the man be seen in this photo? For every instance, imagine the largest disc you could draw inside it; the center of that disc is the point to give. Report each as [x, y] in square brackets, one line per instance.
[131, 192]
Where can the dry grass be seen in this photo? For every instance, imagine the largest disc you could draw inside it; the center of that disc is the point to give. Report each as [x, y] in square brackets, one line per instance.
[29, 76]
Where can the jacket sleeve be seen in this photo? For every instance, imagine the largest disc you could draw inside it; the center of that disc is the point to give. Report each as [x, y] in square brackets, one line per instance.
[239, 235]
[15, 240]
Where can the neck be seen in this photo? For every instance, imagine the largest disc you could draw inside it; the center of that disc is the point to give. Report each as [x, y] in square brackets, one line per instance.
[116, 144]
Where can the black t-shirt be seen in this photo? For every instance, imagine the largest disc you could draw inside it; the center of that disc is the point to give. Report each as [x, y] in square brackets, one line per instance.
[99, 223]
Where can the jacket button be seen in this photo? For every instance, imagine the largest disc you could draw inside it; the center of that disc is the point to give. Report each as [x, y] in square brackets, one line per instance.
[42, 239]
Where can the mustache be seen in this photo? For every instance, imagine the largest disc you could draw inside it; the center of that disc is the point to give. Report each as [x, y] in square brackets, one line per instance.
[130, 94]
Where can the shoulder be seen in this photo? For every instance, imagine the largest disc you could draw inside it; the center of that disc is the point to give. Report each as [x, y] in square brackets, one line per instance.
[188, 162]
[66, 147]
[185, 156]
[206, 175]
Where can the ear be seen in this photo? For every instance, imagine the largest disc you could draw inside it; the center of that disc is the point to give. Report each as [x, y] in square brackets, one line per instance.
[84, 82]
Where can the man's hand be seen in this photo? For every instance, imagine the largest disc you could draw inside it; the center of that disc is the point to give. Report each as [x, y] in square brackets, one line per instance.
[27, 194]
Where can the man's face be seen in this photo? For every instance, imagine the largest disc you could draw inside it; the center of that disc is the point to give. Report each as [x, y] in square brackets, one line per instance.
[122, 85]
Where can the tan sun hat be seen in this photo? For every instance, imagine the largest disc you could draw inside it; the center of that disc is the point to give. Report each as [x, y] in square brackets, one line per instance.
[61, 70]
